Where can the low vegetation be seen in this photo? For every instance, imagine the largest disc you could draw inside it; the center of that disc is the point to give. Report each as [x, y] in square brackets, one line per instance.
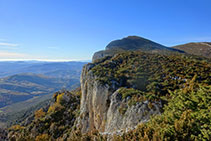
[152, 73]
[186, 117]
[52, 122]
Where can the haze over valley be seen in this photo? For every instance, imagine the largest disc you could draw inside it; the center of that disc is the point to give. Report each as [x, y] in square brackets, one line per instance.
[24, 84]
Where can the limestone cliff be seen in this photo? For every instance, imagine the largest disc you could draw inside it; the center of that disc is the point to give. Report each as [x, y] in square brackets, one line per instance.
[103, 107]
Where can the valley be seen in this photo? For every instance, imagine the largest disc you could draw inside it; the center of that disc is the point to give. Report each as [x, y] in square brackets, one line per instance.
[26, 84]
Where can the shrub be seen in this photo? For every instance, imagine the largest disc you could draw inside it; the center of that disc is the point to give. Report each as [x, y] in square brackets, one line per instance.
[43, 137]
[55, 107]
[39, 113]
[126, 92]
[186, 117]
[16, 127]
[59, 98]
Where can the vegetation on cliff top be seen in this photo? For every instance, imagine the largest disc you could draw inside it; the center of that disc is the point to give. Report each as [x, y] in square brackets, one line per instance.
[152, 73]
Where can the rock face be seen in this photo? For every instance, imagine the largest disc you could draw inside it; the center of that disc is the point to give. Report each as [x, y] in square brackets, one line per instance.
[102, 107]
[93, 101]
[116, 120]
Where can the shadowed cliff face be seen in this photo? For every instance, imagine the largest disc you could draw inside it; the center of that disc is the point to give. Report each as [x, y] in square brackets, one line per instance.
[104, 108]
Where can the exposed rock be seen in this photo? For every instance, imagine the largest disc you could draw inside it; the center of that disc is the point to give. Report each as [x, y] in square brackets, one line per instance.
[134, 114]
[100, 104]
[93, 101]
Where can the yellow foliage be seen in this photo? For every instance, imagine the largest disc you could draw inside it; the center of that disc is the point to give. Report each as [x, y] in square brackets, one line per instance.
[59, 98]
[39, 113]
[16, 127]
[55, 107]
[78, 92]
[43, 137]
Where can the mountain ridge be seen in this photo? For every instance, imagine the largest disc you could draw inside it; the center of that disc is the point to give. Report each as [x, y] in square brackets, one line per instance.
[133, 43]
[196, 48]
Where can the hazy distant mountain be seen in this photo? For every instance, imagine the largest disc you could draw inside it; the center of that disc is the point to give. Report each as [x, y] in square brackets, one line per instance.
[200, 48]
[29, 79]
[133, 43]
[26, 83]
[8, 68]
[21, 87]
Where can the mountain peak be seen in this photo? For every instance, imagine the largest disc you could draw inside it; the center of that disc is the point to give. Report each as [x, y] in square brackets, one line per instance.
[133, 43]
[133, 37]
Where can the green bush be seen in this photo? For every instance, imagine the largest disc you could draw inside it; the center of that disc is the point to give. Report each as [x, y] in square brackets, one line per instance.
[186, 117]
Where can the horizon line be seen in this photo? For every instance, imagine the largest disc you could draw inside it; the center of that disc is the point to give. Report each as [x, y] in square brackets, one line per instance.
[44, 60]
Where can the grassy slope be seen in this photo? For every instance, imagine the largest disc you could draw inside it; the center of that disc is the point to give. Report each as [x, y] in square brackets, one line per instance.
[151, 72]
[201, 49]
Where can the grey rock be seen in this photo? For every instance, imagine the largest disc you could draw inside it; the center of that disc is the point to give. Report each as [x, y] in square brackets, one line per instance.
[100, 104]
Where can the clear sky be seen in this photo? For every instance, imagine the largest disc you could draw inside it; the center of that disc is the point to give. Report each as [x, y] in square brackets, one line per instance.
[75, 29]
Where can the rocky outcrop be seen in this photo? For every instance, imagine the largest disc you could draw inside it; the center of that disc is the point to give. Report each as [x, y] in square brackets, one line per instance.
[94, 100]
[103, 108]
[128, 119]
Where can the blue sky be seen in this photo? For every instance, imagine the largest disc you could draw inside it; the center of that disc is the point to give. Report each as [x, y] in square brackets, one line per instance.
[75, 29]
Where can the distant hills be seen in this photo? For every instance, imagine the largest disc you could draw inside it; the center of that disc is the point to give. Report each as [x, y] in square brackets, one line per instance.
[200, 48]
[21, 87]
[8, 68]
[26, 83]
